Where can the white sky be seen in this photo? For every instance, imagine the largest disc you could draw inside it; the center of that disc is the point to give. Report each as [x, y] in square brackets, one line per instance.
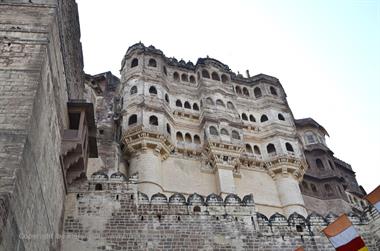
[325, 53]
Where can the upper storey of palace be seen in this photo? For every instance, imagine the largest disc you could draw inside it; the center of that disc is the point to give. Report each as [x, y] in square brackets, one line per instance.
[206, 97]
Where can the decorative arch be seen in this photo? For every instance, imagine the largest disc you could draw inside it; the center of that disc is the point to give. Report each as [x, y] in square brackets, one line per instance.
[213, 131]
[153, 120]
[133, 90]
[252, 118]
[152, 62]
[235, 134]
[178, 103]
[132, 119]
[184, 77]
[263, 118]
[134, 63]
[152, 90]
[205, 74]
[289, 147]
[257, 92]
[179, 136]
[215, 76]
[273, 91]
[219, 102]
[271, 148]
[187, 105]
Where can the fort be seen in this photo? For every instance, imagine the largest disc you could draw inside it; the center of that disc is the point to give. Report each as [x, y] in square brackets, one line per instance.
[173, 155]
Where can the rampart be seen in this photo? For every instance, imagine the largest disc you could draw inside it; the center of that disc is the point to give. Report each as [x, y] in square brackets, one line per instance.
[110, 214]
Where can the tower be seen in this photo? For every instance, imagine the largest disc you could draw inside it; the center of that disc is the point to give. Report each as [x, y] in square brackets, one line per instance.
[202, 128]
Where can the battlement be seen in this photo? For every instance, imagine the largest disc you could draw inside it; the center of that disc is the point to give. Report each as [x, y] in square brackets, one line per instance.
[201, 62]
[118, 217]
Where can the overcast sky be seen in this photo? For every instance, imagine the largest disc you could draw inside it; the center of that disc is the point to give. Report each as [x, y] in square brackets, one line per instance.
[325, 53]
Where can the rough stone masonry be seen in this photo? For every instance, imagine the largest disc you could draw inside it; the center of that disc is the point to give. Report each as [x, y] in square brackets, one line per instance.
[191, 156]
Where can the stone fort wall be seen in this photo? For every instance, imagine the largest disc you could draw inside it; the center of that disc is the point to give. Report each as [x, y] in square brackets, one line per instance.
[119, 218]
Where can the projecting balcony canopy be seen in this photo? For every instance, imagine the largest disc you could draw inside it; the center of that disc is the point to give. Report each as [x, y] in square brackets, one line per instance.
[88, 108]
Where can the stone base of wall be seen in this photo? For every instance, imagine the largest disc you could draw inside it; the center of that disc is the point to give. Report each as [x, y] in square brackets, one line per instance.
[120, 218]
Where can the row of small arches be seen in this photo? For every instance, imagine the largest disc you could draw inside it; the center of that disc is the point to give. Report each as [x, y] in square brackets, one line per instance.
[257, 91]
[263, 117]
[186, 104]
[214, 76]
[188, 138]
[184, 77]
[153, 120]
[271, 149]
[152, 62]
[327, 187]
[234, 134]
[219, 102]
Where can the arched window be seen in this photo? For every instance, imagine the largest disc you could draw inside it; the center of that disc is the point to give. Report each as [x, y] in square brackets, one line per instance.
[152, 90]
[256, 150]
[213, 131]
[168, 129]
[263, 118]
[257, 92]
[238, 90]
[153, 120]
[281, 117]
[224, 132]
[188, 138]
[187, 105]
[98, 187]
[331, 165]
[305, 185]
[244, 116]
[197, 139]
[152, 63]
[192, 79]
[328, 188]
[289, 147]
[235, 135]
[215, 76]
[248, 148]
[252, 118]
[319, 164]
[184, 77]
[224, 78]
[273, 91]
[165, 71]
[314, 188]
[134, 63]
[219, 102]
[167, 98]
[179, 136]
[205, 74]
[230, 105]
[178, 103]
[271, 148]
[176, 76]
[133, 90]
[195, 107]
[197, 209]
[132, 119]
[245, 92]
[209, 101]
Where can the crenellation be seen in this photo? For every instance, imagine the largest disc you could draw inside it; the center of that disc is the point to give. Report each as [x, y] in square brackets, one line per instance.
[175, 155]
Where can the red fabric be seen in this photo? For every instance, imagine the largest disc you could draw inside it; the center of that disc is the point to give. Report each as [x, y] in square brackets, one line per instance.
[353, 245]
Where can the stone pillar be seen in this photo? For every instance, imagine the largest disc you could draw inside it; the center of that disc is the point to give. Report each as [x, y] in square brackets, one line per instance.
[290, 194]
[225, 180]
[147, 165]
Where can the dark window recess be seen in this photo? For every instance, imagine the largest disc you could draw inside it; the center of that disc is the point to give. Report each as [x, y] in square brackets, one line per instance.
[74, 120]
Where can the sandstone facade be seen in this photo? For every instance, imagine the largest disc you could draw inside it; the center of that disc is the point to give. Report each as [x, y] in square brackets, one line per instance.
[174, 155]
